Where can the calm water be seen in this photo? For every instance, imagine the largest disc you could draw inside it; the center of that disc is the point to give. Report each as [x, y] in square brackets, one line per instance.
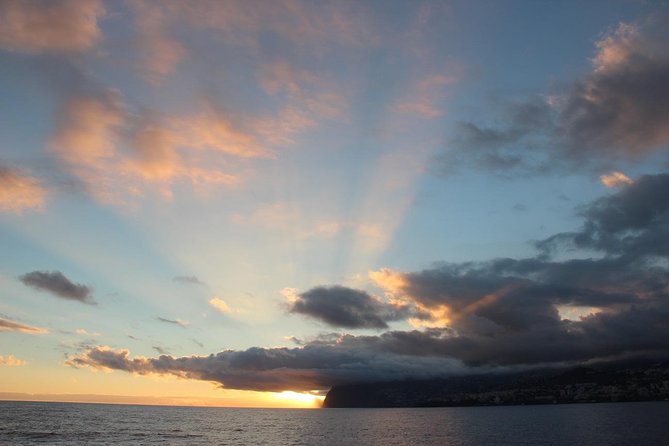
[89, 424]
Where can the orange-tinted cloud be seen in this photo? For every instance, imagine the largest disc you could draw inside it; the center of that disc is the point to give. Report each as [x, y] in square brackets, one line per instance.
[156, 157]
[242, 23]
[615, 114]
[395, 285]
[615, 49]
[621, 106]
[118, 153]
[87, 127]
[304, 23]
[160, 52]
[88, 131]
[307, 98]
[615, 179]
[220, 305]
[215, 129]
[7, 325]
[11, 361]
[19, 191]
[55, 26]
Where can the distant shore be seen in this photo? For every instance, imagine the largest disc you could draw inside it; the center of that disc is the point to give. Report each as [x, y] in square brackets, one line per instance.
[577, 385]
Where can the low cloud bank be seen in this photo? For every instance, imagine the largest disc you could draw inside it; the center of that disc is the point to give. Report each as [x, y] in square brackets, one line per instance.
[494, 315]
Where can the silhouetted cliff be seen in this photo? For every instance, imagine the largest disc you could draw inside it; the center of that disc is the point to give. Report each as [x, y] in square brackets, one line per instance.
[604, 384]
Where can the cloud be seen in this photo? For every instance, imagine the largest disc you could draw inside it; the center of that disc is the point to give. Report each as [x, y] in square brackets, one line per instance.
[162, 28]
[188, 280]
[160, 52]
[160, 350]
[306, 368]
[57, 26]
[57, 284]
[7, 325]
[615, 179]
[617, 112]
[214, 128]
[84, 332]
[507, 311]
[11, 361]
[487, 316]
[621, 107]
[288, 218]
[19, 191]
[179, 322]
[424, 96]
[236, 23]
[220, 305]
[306, 97]
[117, 153]
[340, 306]
[504, 149]
[87, 127]
[632, 223]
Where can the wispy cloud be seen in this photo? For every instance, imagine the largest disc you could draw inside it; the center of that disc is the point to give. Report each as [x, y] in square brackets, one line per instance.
[118, 153]
[220, 305]
[160, 350]
[84, 332]
[19, 191]
[7, 325]
[424, 97]
[179, 322]
[307, 98]
[161, 53]
[57, 26]
[188, 280]
[310, 27]
[57, 284]
[11, 361]
[615, 179]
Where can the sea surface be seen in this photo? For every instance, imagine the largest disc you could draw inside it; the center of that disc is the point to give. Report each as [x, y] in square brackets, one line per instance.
[28, 423]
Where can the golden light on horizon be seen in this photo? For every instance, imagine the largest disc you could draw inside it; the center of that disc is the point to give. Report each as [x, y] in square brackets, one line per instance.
[296, 399]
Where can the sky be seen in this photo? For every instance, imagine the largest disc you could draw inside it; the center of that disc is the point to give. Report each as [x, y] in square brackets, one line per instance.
[243, 203]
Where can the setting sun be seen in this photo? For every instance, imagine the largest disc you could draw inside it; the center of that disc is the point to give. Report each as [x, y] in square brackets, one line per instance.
[294, 399]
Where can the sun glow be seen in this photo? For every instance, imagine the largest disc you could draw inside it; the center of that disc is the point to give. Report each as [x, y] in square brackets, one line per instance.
[296, 399]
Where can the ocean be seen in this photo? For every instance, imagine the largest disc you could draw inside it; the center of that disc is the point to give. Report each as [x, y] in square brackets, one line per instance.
[32, 423]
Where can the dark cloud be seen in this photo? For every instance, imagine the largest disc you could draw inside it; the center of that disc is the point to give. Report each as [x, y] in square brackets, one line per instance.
[507, 311]
[340, 306]
[188, 280]
[313, 367]
[623, 106]
[8, 325]
[180, 323]
[518, 145]
[633, 222]
[59, 285]
[160, 350]
[487, 316]
[618, 112]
